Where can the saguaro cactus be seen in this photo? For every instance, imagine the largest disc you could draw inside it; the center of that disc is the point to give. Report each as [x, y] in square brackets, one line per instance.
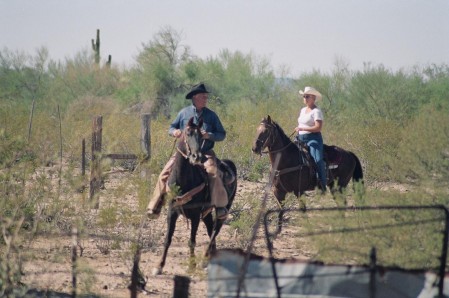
[108, 64]
[96, 47]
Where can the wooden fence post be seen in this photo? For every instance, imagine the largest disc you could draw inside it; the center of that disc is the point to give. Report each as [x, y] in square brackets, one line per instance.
[145, 142]
[95, 173]
[74, 267]
[181, 288]
[83, 157]
[138, 281]
[373, 269]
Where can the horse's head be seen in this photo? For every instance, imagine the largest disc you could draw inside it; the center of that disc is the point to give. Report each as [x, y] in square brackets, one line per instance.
[265, 135]
[193, 141]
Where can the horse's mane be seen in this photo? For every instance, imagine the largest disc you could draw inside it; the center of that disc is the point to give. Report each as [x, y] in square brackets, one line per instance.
[282, 134]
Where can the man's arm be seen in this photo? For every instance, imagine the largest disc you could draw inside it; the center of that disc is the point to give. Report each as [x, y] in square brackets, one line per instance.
[219, 133]
[175, 126]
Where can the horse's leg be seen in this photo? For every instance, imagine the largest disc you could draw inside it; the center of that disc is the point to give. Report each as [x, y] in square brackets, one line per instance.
[209, 223]
[346, 171]
[280, 196]
[195, 222]
[172, 216]
[213, 228]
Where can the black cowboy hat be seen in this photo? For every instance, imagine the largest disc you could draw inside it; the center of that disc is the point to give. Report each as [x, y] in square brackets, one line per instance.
[200, 88]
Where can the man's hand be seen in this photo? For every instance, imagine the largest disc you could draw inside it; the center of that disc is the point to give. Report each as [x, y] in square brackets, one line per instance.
[177, 133]
[205, 134]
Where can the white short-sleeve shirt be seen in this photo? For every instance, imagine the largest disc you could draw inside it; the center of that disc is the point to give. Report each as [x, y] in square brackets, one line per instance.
[308, 119]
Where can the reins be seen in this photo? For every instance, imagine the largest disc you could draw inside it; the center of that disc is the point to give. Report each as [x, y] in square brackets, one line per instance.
[181, 200]
[185, 155]
[265, 143]
[278, 173]
[182, 153]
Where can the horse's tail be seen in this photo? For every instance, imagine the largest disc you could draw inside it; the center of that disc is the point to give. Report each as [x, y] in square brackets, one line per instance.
[357, 176]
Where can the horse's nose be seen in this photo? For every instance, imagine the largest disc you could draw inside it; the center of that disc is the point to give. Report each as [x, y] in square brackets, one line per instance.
[255, 149]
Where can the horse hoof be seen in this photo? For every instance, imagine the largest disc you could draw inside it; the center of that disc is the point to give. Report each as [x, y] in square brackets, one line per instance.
[156, 271]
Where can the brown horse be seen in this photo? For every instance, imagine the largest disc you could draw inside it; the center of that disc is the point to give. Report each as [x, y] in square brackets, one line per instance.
[295, 170]
[189, 180]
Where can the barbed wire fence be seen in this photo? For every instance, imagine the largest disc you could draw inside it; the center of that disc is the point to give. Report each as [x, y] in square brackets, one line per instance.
[263, 216]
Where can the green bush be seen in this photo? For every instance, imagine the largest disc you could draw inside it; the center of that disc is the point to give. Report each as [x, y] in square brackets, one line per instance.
[423, 151]
[395, 122]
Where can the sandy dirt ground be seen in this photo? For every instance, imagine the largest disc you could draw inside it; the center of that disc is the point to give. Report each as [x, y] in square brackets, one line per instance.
[104, 268]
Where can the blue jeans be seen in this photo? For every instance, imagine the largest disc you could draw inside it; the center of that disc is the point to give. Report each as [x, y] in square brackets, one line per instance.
[315, 143]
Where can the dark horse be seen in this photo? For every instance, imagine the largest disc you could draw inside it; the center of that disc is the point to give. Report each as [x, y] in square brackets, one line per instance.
[295, 171]
[189, 180]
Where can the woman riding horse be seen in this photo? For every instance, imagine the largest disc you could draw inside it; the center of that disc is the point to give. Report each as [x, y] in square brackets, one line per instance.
[293, 172]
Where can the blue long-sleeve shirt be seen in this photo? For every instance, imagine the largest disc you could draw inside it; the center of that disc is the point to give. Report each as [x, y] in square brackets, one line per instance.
[211, 124]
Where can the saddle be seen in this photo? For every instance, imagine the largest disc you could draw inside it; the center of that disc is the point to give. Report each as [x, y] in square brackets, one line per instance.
[228, 178]
[331, 156]
[306, 159]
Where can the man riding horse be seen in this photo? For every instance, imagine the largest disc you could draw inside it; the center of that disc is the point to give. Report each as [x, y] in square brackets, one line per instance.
[212, 131]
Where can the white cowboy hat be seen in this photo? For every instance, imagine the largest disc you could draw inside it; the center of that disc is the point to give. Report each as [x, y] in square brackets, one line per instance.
[311, 91]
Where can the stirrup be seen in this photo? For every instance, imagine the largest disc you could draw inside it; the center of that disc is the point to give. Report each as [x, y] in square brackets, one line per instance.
[221, 213]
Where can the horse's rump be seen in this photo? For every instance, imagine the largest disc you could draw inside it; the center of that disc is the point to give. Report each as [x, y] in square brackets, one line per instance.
[333, 155]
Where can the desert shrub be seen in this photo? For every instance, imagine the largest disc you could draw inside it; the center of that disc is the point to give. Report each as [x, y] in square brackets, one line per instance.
[12, 149]
[394, 122]
[10, 259]
[376, 92]
[78, 77]
[16, 201]
[423, 151]
[244, 215]
[347, 237]
[240, 122]
[13, 121]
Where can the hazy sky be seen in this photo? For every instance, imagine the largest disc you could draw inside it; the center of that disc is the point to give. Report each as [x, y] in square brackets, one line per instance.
[298, 34]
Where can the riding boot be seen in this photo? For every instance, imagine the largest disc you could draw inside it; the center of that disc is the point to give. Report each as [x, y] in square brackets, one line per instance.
[322, 187]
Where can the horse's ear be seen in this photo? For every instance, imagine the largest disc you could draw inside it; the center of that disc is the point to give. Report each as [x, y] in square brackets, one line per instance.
[269, 119]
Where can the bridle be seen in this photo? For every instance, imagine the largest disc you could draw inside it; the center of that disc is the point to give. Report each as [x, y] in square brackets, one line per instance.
[269, 128]
[188, 152]
[265, 144]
